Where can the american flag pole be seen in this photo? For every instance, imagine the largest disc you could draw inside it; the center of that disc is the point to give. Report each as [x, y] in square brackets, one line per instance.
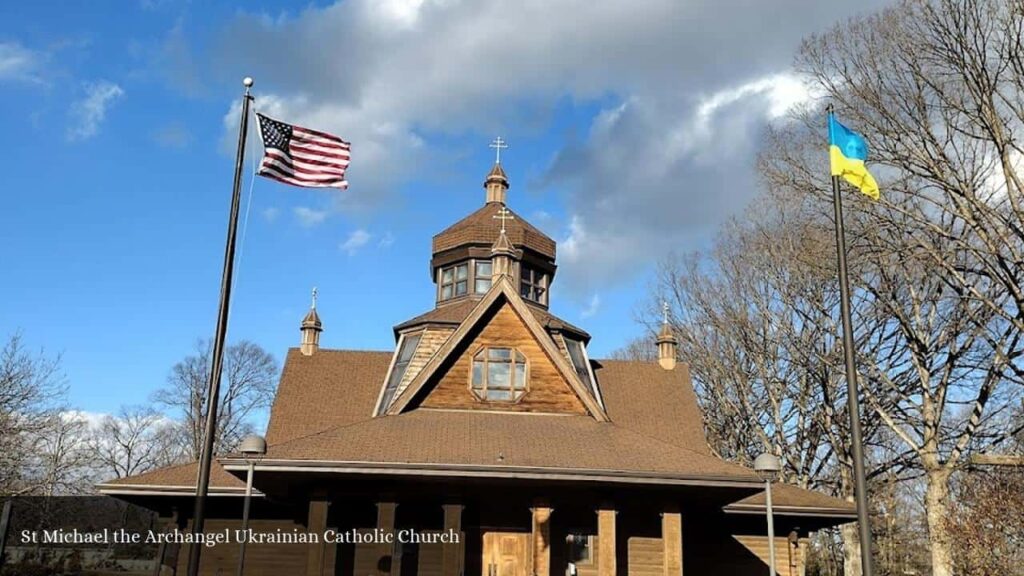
[213, 388]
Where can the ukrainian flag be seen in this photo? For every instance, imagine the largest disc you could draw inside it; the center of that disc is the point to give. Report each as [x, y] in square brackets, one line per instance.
[848, 151]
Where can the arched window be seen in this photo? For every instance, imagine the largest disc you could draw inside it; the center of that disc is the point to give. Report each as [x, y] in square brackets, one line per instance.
[499, 374]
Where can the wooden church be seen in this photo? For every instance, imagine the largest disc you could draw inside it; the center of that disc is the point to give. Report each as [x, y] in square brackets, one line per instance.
[488, 442]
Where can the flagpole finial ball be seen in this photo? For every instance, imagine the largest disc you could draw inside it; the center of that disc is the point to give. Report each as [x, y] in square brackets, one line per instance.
[247, 81]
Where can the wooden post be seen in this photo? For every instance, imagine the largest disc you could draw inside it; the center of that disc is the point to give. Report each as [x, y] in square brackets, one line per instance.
[541, 536]
[453, 555]
[316, 522]
[606, 541]
[387, 563]
[672, 542]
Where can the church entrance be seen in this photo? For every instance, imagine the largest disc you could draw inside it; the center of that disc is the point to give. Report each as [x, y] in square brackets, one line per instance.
[506, 553]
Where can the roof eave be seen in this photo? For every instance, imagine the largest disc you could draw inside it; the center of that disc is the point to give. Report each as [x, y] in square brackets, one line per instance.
[484, 471]
[817, 511]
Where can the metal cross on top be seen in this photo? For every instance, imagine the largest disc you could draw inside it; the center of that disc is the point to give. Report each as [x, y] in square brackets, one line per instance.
[503, 215]
[664, 311]
[498, 144]
[314, 297]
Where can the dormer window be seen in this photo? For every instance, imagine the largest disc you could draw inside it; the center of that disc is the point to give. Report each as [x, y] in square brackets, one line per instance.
[533, 284]
[499, 375]
[454, 281]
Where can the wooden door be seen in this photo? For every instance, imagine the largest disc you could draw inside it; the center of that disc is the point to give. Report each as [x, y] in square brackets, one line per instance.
[506, 554]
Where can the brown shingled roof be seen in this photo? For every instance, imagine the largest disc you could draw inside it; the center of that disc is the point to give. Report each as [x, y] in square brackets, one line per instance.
[787, 498]
[455, 312]
[644, 397]
[481, 228]
[181, 476]
[451, 437]
[326, 389]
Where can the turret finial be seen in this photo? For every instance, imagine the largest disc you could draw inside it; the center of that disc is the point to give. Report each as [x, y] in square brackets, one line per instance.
[313, 305]
[498, 144]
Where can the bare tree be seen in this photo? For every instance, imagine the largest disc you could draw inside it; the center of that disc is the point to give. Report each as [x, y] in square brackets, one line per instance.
[758, 323]
[247, 385]
[987, 536]
[62, 463]
[135, 440]
[31, 386]
[936, 85]
[640, 349]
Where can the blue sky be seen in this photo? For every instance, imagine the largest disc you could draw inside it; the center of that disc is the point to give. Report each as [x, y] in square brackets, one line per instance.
[632, 128]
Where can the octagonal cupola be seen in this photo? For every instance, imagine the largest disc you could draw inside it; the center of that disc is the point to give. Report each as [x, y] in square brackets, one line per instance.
[468, 256]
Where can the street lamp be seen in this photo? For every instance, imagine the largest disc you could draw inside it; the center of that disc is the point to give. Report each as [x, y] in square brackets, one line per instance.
[252, 447]
[768, 467]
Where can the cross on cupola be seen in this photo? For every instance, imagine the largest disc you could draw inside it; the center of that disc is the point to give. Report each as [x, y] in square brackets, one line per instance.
[503, 214]
[313, 305]
[498, 144]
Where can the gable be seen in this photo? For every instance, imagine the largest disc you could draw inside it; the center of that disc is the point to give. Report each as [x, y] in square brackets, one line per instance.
[547, 389]
[501, 294]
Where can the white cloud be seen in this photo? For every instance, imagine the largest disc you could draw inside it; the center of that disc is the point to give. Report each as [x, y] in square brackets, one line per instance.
[89, 112]
[387, 240]
[271, 214]
[308, 217]
[356, 240]
[592, 306]
[19, 63]
[686, 88]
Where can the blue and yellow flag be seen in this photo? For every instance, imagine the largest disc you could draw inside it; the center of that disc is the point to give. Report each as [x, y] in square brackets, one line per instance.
[848, 151]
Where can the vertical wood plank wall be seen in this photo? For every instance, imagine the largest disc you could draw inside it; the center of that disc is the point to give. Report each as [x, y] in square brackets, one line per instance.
[606, 542]
[316, 560]
[541, 541]
[672, 543]
[788, 558]
[452, 555]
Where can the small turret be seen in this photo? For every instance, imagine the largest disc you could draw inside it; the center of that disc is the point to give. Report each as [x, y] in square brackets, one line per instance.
[496, 183]
[311, 329]
[668, 345]
[503, 252]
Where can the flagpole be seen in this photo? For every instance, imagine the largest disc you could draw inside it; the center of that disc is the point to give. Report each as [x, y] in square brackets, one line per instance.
[213, 389]
[853, 402]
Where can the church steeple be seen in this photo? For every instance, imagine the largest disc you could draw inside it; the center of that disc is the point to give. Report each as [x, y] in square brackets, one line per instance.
[667, 343]
[311, 329]
[496, 183]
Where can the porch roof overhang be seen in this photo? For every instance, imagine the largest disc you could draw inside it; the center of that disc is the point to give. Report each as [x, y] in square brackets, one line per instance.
[814, 511]
[238, 466]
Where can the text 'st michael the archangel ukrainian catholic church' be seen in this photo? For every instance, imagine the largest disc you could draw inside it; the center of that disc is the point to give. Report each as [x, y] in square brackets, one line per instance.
[490, 422]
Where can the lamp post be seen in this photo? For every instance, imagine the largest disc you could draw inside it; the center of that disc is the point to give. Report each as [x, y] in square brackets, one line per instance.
[768, 467]
[252, 447]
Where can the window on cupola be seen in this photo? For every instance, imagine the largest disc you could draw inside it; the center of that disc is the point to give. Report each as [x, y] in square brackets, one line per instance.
[499, 374]
[533, 284]
[454, 281]
[482, 275]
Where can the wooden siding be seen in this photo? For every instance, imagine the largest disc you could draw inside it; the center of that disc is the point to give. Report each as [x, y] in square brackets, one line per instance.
[788, 558]
[430, 340]
[646, 556]
[548, 390]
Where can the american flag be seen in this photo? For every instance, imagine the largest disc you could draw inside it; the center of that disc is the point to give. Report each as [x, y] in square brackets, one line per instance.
[302, 157]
